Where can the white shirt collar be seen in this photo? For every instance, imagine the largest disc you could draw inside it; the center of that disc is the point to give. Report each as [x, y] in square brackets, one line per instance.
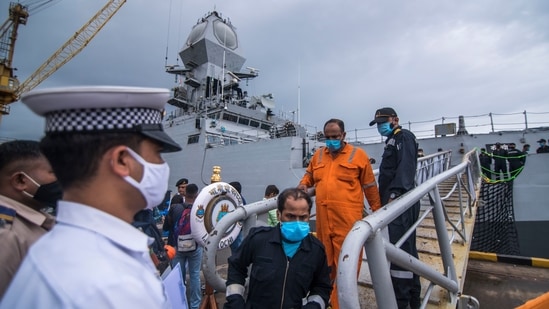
[118, 231]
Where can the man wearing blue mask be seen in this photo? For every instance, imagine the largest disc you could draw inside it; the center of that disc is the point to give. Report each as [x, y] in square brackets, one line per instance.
[397, 174]
[543, 148]
[288, 263]
[104, 145]
[342, 176]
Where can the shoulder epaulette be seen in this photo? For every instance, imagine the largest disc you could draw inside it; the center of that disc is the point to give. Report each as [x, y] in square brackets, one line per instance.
[7, 214]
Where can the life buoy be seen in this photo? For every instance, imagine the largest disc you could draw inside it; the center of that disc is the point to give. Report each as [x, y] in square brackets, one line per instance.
[211, 204]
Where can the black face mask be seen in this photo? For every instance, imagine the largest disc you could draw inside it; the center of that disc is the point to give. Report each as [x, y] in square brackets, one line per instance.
[47, 194]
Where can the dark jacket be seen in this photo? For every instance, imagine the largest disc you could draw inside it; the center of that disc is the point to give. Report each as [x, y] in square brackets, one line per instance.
[397, 172]
[515, 158]
[171, 219]
[485, 159]
[275, 278]
[499, 155]
[543, 149]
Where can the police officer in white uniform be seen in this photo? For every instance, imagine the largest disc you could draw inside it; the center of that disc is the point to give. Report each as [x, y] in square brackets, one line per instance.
[105, 145]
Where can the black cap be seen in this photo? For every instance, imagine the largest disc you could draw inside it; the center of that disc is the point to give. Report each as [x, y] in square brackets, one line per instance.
[382, 115]
[542, 140]
[182, 181]
[236, 185]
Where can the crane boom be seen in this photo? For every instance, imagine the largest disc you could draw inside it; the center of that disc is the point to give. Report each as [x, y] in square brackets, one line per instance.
[72, 47]
[64, 54]
[18, 15]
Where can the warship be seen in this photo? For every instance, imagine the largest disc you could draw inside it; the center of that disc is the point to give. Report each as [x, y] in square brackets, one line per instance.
[241, 136]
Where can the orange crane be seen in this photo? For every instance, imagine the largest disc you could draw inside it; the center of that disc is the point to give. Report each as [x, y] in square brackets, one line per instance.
[10, 88]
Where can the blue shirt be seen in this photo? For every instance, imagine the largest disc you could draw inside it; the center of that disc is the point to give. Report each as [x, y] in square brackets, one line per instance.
[90, 259]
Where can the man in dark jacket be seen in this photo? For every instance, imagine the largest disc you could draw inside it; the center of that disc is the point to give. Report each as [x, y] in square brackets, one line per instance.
[543, 148]
[485, 159]
[516, 160]
[288, 264]
[500, 162]
[397, 174]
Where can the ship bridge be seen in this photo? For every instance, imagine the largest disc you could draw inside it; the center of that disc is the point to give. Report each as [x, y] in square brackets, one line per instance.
[449, 200]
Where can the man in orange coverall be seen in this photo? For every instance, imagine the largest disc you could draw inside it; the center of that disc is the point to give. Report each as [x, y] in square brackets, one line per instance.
[342, 176]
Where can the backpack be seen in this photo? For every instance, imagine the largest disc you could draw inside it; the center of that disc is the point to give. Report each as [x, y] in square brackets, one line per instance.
[182, 231]
[144, 221]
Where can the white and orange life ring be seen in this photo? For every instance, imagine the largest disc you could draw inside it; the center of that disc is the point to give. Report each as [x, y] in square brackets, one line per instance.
[211, 204]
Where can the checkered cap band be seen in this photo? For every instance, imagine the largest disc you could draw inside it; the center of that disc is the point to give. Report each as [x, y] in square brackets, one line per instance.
[101, 119]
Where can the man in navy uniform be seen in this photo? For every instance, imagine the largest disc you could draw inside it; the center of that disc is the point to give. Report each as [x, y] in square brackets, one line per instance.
[397, 174]
[105, 145]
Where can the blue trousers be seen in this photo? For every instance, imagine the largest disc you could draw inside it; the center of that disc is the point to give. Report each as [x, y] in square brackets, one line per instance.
[193, 260]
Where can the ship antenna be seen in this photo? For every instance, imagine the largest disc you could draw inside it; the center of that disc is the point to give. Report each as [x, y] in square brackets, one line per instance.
[223, 69]
[168, 35]
[299, 92]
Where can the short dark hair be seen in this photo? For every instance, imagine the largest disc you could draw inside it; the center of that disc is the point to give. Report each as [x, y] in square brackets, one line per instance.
[191, 190]
[18, 151]
[339, 123]
[296, 194]
[237, 186]
[82, 152]
[181, 181]
[271, 189]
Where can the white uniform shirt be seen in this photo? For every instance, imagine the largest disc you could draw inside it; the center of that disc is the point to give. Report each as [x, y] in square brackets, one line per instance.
[90, 259]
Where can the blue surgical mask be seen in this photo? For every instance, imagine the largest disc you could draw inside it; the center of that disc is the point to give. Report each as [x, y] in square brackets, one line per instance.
[294, 231]
[384, 128]
[333, 144]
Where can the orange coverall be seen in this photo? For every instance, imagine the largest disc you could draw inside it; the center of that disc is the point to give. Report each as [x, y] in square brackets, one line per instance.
[341, 182]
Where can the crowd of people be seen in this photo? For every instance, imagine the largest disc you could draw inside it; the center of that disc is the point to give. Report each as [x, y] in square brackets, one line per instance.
[504, 161]
[103, 248]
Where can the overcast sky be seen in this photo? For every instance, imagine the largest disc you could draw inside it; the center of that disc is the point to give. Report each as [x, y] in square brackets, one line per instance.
[427, 59]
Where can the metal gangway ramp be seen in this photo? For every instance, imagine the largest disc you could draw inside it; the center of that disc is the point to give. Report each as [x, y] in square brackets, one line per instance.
[444, 230]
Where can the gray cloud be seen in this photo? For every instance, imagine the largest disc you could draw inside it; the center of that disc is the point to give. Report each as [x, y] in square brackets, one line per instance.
[428, 59]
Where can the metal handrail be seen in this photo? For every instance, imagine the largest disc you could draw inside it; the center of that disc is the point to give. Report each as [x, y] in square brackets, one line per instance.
[244, 213]
[239, 214]
[366, 233]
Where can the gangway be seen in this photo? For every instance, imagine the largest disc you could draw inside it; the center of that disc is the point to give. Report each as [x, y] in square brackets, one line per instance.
[444, 229]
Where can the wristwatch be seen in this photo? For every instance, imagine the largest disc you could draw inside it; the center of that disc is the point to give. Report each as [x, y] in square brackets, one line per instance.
[393, 196]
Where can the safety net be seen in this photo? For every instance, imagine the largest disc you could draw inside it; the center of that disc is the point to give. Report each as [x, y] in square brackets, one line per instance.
[495, 229]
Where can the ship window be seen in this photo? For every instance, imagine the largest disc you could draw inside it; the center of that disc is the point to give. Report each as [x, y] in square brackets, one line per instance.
[214, 139]
[254, 124]
[213, 115]
[193, 139]
[265, 126]
[244, 121]
[230, 117]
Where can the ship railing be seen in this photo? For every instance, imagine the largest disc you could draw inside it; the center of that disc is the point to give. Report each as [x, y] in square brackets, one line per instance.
[367, 234]
[429, 165]
[474, 124]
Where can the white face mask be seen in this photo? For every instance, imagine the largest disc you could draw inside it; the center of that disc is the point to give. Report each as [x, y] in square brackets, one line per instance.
[154, 184]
